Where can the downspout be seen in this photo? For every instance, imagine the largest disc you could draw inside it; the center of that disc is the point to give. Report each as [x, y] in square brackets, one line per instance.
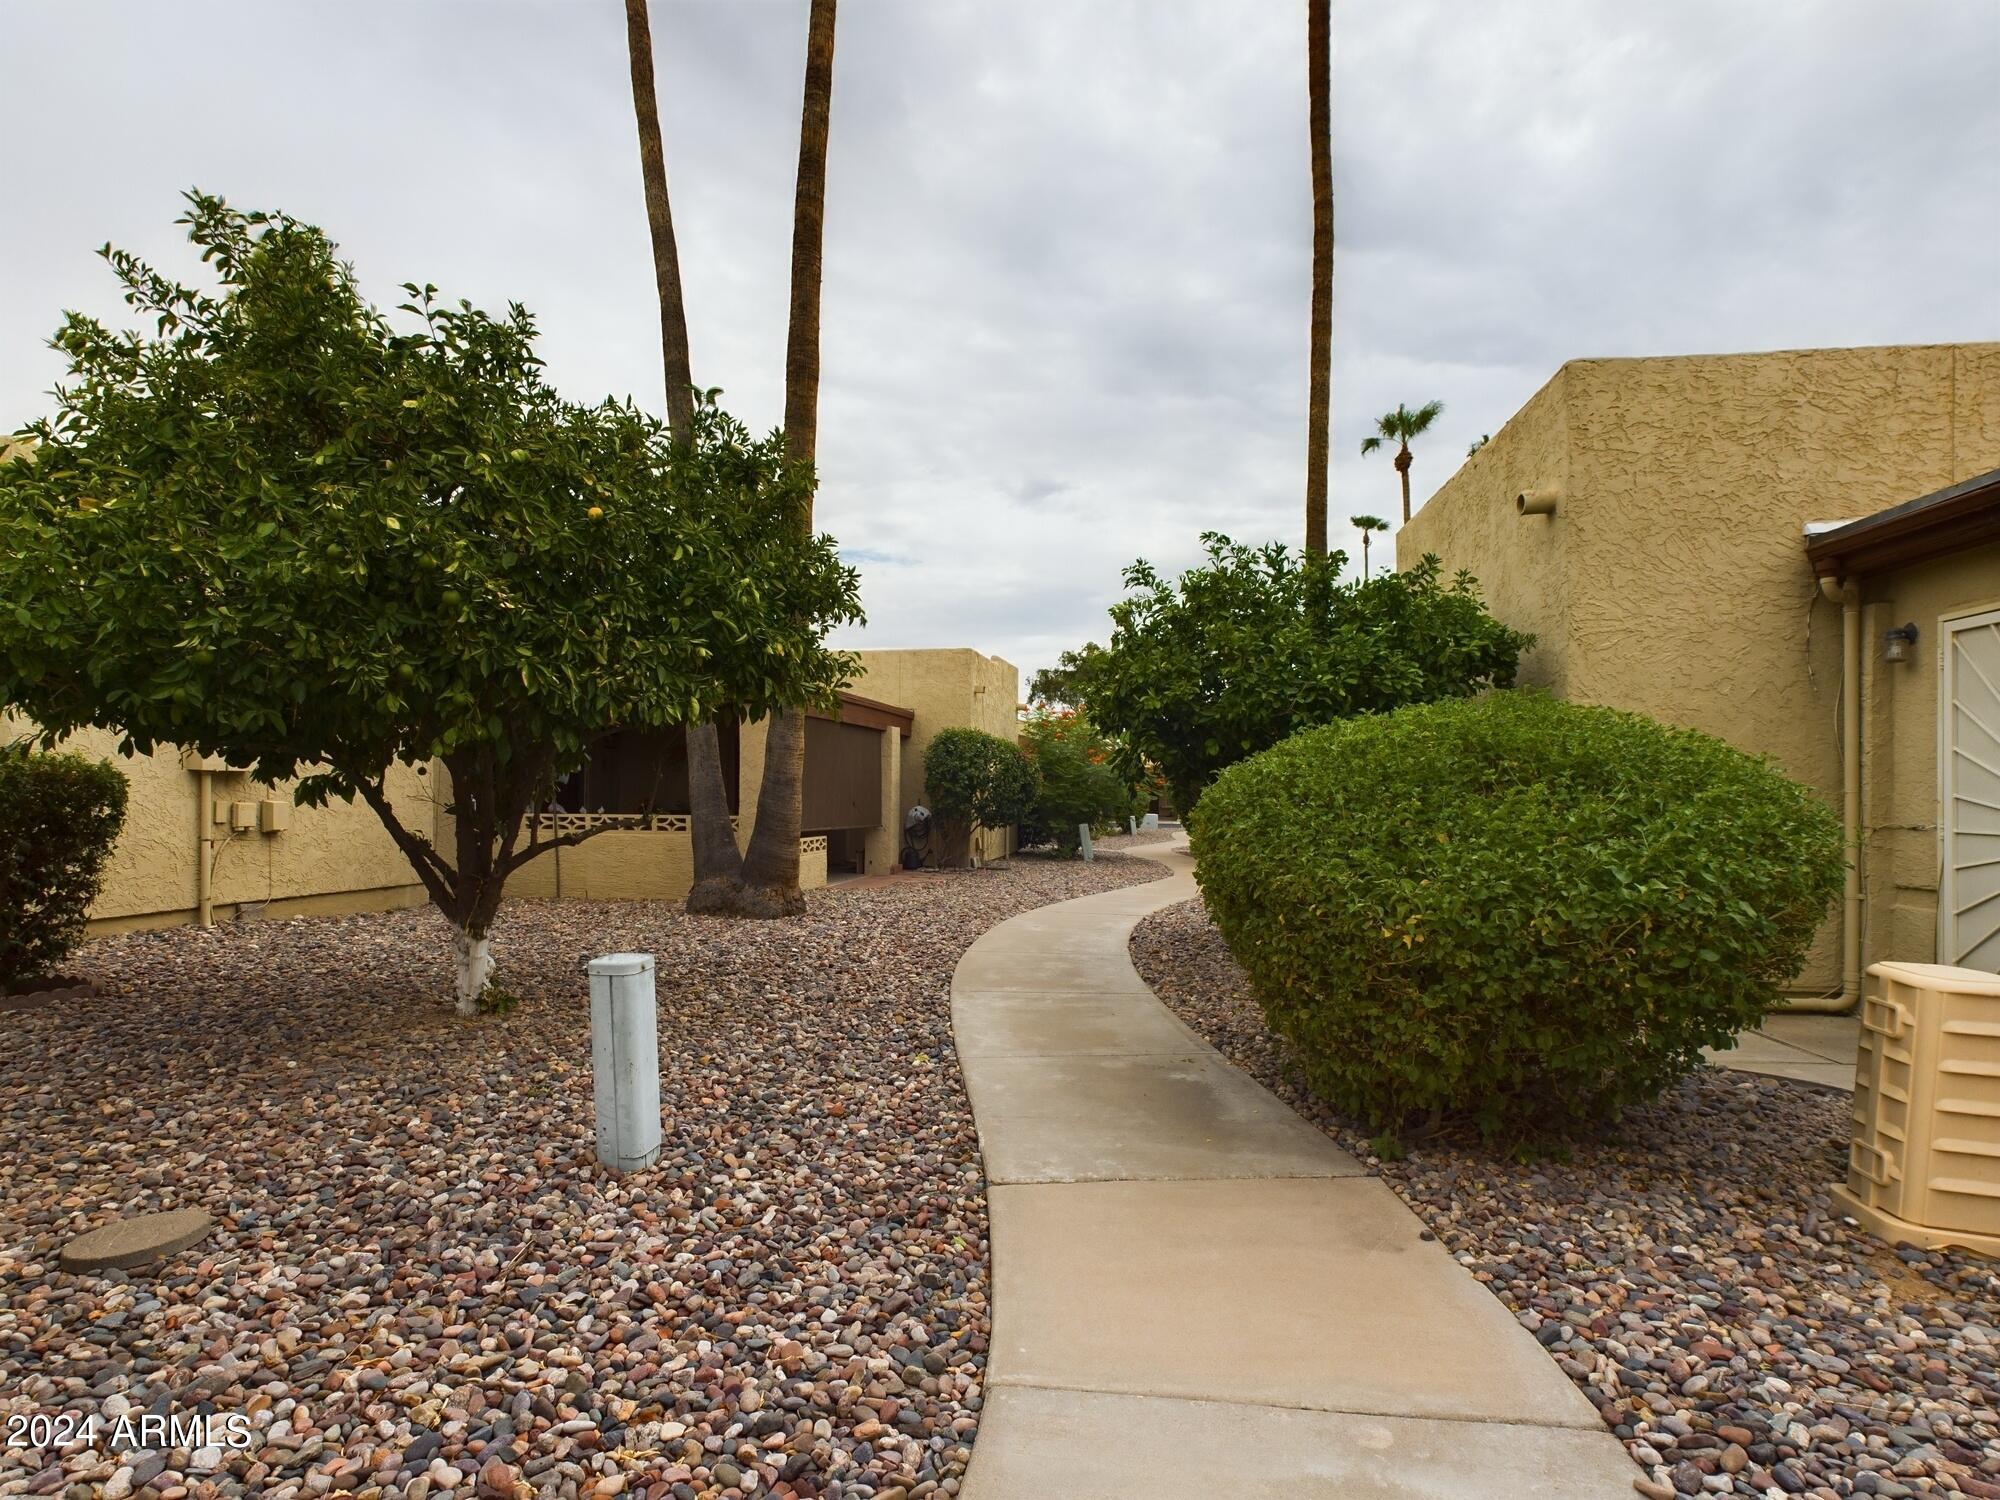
[1848, 597]
[204, 851]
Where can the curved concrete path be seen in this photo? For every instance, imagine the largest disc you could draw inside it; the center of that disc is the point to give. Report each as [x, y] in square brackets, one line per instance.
[1195, 1293]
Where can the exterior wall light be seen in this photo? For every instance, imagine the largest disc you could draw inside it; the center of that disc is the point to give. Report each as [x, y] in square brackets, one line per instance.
[1896, 642]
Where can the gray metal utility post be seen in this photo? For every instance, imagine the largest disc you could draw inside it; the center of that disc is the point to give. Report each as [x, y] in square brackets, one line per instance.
[625, 1055]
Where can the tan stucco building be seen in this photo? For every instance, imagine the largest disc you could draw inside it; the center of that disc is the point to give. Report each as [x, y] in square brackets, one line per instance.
[202, 838]
[1648, 520]
[946, 689]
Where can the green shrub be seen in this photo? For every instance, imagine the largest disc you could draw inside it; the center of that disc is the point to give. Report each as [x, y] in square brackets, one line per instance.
[1257, 643]
[59, 816]
[977, 780]
[1510, 911]
[1080, 781]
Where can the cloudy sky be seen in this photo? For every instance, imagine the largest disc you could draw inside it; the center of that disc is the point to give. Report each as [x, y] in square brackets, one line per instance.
[1067, 243]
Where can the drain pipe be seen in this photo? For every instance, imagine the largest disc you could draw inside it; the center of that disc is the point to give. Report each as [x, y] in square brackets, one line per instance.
[204, 847]
[1848, 597]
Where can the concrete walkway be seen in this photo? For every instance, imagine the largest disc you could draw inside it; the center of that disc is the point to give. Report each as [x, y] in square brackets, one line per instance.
[1195, 1293]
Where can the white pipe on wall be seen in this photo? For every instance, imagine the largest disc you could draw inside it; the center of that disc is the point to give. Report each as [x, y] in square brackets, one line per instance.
[1848, 597]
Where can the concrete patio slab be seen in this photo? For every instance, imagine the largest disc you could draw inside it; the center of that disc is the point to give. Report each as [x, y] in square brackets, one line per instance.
[1809, 1049]
[1087, 1445]
[1299, 1293]
[1098, 1117]
[1807, 1070]
[1835, 1038]
[1753, 1047]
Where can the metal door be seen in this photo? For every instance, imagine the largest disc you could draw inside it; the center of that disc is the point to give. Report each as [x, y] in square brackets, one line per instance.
[1969, 764]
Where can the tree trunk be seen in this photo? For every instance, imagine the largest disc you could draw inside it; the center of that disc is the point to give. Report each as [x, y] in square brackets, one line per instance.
[1403, 468]
[716, 861]
[771, 867]
[718, 864]
[659, 218]
[808, 235]
[475, 967]
[1319, 405]
[770, 885]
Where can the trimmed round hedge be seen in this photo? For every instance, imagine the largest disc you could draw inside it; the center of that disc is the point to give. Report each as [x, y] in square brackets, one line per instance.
[59, 817]
[1510, 911]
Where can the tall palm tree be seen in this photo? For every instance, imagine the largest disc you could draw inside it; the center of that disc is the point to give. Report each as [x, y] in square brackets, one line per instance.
[1366, 525]
[717, 864]
[1319, 402]
[771, 864]
[1398, 427]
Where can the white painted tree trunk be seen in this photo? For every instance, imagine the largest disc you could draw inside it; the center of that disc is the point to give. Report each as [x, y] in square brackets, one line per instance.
[475, 967]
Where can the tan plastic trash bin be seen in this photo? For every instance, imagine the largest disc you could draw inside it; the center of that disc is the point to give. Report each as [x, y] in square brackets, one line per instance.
[1924, 1165]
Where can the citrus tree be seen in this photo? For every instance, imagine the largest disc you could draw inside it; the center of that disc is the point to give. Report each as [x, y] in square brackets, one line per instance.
[1235, 655]
[977, 780]
[279, 526]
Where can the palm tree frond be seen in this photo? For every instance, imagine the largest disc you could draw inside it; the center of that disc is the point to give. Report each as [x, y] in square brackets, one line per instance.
[1370, 444]
[1368, 523]
[1423, 416]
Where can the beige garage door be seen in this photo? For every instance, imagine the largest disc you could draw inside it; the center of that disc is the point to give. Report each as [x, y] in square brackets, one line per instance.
[1969, 893]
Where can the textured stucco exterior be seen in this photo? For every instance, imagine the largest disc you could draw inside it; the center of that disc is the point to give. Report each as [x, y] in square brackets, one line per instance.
[338, 858]
[1521, 564]
[944, 689]
[1672, 577]
[1900, 788]
[330, 859]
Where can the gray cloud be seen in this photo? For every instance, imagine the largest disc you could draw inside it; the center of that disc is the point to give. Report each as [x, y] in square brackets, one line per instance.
[1067, 255]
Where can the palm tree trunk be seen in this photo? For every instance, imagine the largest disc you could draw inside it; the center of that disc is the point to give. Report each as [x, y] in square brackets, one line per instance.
[659, 217]
[1319, 404]
[716, 861]
[1403, 469]
[771, 865]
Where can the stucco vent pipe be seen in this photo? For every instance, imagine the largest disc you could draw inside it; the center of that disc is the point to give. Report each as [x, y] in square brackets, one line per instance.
[1541, 502]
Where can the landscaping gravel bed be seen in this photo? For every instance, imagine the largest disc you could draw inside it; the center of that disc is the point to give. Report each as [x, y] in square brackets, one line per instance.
[1690, 1274]
[422, 1282]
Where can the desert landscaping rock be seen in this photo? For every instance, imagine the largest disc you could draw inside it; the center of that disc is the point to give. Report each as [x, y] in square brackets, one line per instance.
[421, 1283]
[1689, 1273]
[127, 1244]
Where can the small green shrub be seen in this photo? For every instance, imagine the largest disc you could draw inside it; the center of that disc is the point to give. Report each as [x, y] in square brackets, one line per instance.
[1079, 780]
[59, 816]
[1511, 911]
[977, 780]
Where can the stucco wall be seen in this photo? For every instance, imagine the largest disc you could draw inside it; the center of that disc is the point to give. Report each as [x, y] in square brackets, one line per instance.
[1674, 565]
[943, 689]
[1471, 523]
[1900, 787]
[633, 864]
[331, 859]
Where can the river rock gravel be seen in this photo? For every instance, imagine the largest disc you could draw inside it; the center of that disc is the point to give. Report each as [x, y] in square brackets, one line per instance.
[1689, 1273]
[421, 1282]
